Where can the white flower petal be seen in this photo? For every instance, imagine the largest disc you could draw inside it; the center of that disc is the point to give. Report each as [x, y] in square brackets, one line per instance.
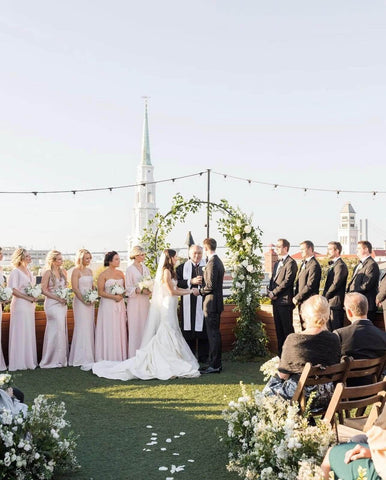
[149, 426]
[175, 453]
[168, 440]
[182, 433]
[163, 449]
[191, 460]
[163, 468]
[176, 436]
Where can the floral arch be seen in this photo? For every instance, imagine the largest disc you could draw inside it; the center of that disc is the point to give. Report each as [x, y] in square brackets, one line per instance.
[242, 241]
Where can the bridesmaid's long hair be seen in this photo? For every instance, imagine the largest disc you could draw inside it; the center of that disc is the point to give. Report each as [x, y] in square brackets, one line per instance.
[79, 257]
[168, 264]
[50, 259]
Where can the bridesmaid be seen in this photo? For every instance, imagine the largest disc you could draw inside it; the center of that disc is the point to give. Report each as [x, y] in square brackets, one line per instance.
[138, 302]
[55, 346]
[3, 366]
[22, 337]
[111, 328]
[82, 345]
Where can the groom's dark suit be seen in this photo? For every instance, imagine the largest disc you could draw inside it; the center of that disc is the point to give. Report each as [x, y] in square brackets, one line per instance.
[365, 281]
[282, 287]
[334, 291]
[213, 305]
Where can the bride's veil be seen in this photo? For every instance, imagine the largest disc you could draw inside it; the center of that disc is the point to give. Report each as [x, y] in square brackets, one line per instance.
[154, 316]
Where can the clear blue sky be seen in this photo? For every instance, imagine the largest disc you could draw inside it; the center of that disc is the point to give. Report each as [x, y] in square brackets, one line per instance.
[278, 91]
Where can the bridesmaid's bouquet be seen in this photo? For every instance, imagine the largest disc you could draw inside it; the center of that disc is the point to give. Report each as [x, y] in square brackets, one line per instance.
[5, 379]
[117, 289]
[146, 283]
[63, 293]
[91, 296]
[33, 290]
[270, 368]
[5, 294]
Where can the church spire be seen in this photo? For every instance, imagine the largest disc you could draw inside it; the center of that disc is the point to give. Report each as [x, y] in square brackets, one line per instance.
[146, 160]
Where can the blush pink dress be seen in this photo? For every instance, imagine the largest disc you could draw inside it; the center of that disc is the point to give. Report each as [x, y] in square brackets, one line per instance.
[22, 337]
[137, 307]
[111, 328]
[55, 345]
[82, 345]
[3, 366]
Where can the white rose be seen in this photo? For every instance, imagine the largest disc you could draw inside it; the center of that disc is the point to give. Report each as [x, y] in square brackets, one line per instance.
[250, 268]
[237, 237]
[247, 229]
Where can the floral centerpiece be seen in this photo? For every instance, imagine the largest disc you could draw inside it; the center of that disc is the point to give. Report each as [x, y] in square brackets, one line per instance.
[146, 283]
[91, 296]
[33, 290]
[5, 294]
[36, 445]
[117, 289]
[268, 438]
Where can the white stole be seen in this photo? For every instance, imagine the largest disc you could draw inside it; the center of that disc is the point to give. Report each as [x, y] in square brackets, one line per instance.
[187, 275]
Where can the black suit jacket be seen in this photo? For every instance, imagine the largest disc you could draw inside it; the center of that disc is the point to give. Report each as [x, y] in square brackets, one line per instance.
[365, 281]
[282, 283]
[381, 297]
[362, 339]
[335, 286]
[212, 290]
[308, 281]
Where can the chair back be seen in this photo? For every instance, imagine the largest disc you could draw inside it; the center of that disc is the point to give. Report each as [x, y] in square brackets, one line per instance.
[372, 368]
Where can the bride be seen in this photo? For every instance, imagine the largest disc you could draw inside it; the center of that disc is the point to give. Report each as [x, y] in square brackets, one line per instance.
[164, 354]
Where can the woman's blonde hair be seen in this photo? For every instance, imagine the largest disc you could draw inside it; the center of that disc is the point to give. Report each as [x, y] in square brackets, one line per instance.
[50, 259]
[79, 257]
[18, 257]
[137, 250]
[315, 311]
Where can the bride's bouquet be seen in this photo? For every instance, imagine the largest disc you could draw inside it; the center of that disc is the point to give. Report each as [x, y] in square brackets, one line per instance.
[270, 368]
[5, 379]
[91, 296]
[117, 289]
[146, 283]
[5, 294]
[63, 293]
[33, 290]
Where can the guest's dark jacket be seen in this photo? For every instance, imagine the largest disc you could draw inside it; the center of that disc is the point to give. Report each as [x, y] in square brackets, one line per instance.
[308, 281]
[282, 283]
[365, 281]
[362, 339]
[335, 287]
[381, 297]
[299, 348]
[212, 290]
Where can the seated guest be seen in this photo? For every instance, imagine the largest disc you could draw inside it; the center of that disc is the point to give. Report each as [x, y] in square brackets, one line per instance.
[361, 339]
[316, 345]
[344, 459]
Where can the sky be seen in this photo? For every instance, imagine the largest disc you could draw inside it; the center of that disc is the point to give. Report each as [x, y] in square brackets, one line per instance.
[287, 93]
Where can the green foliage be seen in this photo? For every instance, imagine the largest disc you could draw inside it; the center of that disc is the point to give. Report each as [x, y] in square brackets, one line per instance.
[242, 241]
[68, 264]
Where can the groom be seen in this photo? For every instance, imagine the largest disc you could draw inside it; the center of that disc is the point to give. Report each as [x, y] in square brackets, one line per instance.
[213, 303]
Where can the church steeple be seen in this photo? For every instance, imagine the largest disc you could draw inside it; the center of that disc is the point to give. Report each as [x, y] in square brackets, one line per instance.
[145, 203]
[146, 160]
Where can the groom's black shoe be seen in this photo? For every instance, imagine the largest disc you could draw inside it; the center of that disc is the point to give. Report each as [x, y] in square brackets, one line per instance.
[212, 370]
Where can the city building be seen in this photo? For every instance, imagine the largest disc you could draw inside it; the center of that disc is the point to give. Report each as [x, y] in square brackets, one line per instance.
[348, 230]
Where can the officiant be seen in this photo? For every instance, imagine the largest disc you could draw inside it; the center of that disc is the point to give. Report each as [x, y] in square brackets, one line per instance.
[190, 274]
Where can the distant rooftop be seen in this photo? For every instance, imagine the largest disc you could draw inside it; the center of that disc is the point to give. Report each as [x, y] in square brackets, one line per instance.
[347, 208]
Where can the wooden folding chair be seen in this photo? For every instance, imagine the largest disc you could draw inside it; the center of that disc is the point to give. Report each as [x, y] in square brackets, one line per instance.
[368, 368]
[346, 399]
[317, 375]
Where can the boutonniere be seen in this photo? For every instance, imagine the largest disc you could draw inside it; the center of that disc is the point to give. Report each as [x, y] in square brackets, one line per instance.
[203, 269]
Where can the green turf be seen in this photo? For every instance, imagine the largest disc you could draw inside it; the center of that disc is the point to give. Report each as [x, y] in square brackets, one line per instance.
[111, 417]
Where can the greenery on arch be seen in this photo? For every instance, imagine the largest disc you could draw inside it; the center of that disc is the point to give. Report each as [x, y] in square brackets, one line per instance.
[243, 240]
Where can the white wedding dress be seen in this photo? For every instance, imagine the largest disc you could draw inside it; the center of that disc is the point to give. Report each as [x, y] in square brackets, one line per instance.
[164, 354]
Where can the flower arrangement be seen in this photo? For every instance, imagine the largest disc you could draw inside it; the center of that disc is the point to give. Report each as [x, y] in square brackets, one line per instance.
[33, 290]
[117, 289]
[270, 368]
[268, 438]
[5, 379]
[36, 445]
[91, 296]
[64, 293]
[5, 294]
[146, 283]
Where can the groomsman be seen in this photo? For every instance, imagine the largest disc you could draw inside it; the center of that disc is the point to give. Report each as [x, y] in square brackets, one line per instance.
[335, 287]
[193, 326]
[366, 277]
[213, 305]
[381, 297]
[281, 288]
[308, 277]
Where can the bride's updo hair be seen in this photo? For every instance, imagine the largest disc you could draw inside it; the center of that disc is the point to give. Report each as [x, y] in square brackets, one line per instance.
[168, 264]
